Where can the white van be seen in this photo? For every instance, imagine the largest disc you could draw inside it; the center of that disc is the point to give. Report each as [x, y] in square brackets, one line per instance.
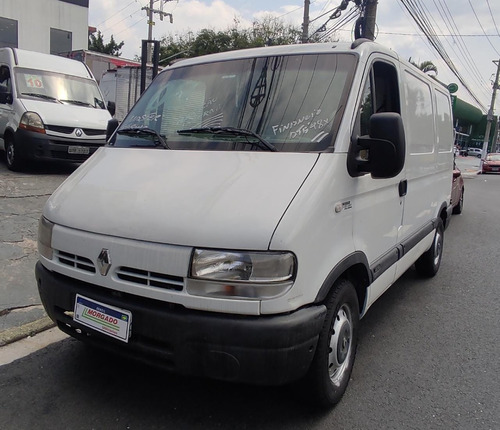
[50, 108]
[250, 209]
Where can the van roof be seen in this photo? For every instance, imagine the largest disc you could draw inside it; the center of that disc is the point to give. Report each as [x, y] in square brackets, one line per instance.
[53, 63]
[360, 47]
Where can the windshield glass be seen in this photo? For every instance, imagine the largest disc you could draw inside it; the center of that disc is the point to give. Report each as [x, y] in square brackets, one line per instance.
[57, 88]
[293, 103]
[493, 157]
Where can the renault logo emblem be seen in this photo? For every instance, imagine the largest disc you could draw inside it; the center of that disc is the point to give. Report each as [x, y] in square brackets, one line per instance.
[79, 132]
[104, 262]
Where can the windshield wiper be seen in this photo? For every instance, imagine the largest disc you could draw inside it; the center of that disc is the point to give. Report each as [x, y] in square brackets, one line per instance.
[79, 103]
[42, 96]
[231, 131]
[145, 130]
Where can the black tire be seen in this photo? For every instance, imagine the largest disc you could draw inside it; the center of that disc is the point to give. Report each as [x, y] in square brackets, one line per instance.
[13, 159]
[333, 361]
[457, 210]
[428, 263]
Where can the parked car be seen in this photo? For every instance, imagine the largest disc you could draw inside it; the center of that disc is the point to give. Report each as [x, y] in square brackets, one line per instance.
[475, 152]
[491, 164]
[457, 190]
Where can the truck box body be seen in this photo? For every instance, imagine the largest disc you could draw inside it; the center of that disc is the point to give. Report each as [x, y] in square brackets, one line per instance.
[252, 207]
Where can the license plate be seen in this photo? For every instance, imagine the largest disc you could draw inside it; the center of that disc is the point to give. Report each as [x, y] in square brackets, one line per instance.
[78, 150]
[494, 169]
[106, 319]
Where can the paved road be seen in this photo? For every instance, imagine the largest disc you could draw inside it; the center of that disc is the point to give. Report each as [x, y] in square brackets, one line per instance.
[427, 358]
[22, 196]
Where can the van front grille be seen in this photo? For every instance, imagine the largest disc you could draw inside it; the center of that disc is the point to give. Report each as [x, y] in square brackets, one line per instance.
[76, 261]
[150, 279]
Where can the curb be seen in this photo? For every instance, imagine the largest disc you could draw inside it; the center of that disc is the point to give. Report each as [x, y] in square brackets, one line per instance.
[17, 333]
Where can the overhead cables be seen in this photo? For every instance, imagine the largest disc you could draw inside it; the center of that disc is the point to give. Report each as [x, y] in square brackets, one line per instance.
[426, 27]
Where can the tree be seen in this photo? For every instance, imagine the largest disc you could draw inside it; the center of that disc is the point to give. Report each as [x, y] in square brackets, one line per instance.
[267, 31]
[426, 67]
[96, 44]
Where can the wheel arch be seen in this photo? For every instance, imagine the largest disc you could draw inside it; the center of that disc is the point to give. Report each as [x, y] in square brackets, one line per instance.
[355, 268]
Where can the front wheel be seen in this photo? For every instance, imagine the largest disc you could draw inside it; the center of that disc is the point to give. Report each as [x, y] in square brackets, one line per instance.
[12, 157]
[334, 358]
[428, 263]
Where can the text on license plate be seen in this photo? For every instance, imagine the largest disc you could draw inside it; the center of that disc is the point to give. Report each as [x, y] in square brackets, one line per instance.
[78, 150]
[106, 319]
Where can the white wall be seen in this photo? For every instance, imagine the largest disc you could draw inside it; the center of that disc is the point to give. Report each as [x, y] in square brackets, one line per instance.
[36, 18]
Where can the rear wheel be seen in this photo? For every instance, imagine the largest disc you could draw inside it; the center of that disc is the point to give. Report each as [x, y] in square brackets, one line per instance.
[12, 157]
[334, 358]
[428, 263]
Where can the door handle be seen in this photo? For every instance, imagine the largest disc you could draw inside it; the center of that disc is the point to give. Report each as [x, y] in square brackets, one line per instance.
[403, 187]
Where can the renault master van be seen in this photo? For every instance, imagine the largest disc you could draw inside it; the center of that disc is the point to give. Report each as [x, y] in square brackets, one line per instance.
[250, 209]
[50, 108]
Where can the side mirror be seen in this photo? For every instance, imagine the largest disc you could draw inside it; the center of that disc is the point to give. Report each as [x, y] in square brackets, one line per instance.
[112, 108]
[382, 153]
[6, 98]
[110, 129]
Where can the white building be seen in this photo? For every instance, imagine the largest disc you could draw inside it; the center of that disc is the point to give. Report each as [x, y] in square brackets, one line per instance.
[48, 26]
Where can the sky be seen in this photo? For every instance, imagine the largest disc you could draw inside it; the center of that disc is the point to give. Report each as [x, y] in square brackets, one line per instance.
[468, 30]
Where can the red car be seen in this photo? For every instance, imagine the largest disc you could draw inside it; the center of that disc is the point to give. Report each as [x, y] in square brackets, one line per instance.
[457, 190]
[491, 164]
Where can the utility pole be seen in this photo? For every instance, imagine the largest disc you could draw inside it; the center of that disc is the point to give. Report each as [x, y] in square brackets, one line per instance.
[370, 18]
[490, 114]
[151, 11]
[305, 23]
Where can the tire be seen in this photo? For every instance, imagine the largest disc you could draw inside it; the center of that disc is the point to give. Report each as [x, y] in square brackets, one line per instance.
[428, 263]
[457, 210]
[12, 158]
[333, 361]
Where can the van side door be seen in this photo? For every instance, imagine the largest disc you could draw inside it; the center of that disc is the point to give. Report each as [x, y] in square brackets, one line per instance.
[378, 202]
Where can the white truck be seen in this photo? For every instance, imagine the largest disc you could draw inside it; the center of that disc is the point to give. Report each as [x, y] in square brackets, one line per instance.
[50, 109]
[250, 209]
[122, 86]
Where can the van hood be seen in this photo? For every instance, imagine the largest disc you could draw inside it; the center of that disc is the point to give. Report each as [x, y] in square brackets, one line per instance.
[68, 115]
[231, 200]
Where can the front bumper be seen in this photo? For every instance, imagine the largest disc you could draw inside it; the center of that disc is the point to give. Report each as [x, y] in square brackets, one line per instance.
[37, 146]
[265, 350]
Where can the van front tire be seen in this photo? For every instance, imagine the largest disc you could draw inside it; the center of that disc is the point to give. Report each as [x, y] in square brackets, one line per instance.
[332, 364]
[12, 157]
[428, 263]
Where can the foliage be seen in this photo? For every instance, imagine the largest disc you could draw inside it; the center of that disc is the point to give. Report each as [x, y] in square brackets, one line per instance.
[96, 44]
[264, 32]
[425, 66]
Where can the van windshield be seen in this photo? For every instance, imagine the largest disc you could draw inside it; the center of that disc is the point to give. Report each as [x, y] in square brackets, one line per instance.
[57, 88]
[288, 103]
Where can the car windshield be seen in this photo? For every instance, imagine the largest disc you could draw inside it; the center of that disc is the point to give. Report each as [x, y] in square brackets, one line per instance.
[282, 103]
[493, 157]
[58, 88]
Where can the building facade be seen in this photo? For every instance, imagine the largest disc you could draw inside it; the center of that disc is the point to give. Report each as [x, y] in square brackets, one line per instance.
[48, 26]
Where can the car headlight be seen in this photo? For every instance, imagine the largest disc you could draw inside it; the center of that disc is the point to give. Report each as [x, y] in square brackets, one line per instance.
[31, 121]
[234, 274]
[45, 237]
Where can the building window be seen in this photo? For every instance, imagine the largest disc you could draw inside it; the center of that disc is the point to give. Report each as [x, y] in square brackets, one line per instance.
[60, 41]
[8, 33]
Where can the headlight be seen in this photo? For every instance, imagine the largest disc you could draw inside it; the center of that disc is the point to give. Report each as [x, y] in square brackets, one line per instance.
[31, 121]
[45, 237]
[241, 274]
